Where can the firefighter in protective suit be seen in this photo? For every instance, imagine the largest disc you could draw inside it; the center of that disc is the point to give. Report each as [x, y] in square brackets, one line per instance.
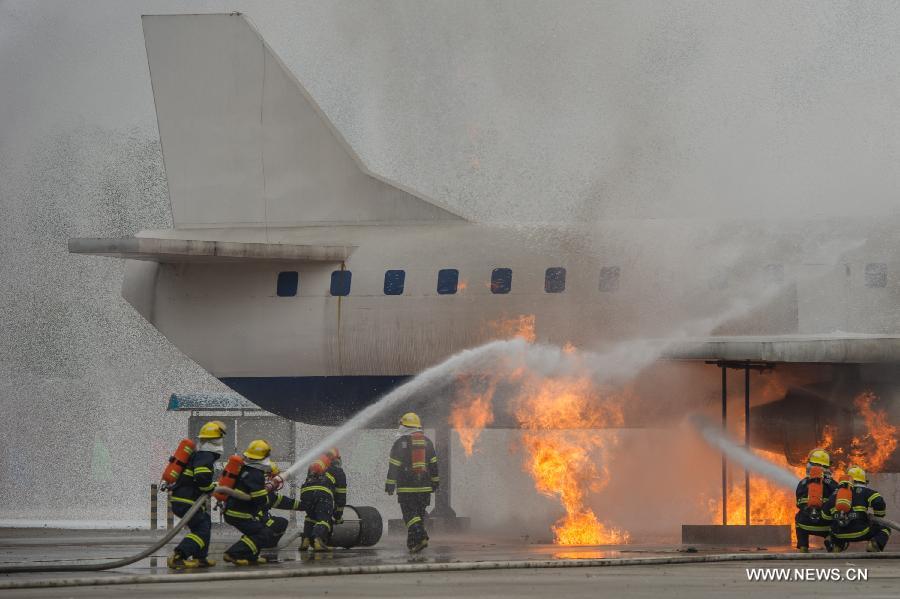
[812, 493]
[413, 474]
[247, 508]
[339, 478]
[317, 500]
[848, 511]
[336, 479]
[196, 479]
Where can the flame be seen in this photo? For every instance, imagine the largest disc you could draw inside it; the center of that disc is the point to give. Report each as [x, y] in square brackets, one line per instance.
[770, 504]
[461, 285]
[521, 326]
[563, 452]
[871, 450]
[569, 463]
[471, 414]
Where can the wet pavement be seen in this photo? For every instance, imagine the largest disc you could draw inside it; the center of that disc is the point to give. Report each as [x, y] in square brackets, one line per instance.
[46, 546]
[49, 546]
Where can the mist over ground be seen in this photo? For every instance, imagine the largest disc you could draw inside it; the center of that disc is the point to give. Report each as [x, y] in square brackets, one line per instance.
[503, 112]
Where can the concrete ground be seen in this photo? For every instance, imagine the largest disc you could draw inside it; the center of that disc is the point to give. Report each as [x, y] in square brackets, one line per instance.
[685, 580]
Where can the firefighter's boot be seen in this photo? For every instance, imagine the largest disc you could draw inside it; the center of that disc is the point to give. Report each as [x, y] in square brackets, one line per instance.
[319, 545]
[242, 561]
[175, 561]
[419, 546]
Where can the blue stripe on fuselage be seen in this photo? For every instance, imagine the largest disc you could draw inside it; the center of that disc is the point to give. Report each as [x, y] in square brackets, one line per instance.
[319, 400]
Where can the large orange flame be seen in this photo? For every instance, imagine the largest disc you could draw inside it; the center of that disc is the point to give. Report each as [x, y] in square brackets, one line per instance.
[563, 452]
[770, 504]
[875, 447]
[571, 462]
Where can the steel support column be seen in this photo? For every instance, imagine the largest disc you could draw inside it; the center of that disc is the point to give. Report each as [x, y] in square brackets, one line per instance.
[747, 443]
[724, 432]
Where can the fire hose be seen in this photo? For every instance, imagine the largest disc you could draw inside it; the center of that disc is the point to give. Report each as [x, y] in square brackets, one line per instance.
[198, 504]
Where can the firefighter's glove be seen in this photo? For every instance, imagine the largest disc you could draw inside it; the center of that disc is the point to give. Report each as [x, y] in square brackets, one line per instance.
[274, 483]
[389, 488]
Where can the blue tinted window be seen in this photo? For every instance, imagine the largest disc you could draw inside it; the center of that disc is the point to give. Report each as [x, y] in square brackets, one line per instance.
[448, 279]
[501, 280]
[876, 274]
[340, 282]
[287, 283]
[609, 278]
[393, 282]
[555, 280]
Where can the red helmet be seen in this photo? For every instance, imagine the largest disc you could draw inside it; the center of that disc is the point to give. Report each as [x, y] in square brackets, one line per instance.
[320, 465]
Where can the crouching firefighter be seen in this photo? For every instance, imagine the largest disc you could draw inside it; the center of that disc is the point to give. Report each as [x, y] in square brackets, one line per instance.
[812, 493]
[247, 507]
[413, 473]
[194, 480]
[317, 499]
[848, 510]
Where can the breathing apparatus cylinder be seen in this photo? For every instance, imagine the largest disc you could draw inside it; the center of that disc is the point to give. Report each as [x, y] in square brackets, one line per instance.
[178, 461]
[229, 475]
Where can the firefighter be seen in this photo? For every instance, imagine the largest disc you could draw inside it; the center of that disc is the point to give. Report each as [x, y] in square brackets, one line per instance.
[848, 511]
[338, 478]
[812, 493]
[247, 508]
[413, 474]
[318, 501]
[196, 479]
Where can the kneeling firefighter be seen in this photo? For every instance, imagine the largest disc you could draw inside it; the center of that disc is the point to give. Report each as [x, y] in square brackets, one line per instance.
[413, 473]
[317, 499]
[848, 510]
[247, 507]
[812, 493]
[195, 479]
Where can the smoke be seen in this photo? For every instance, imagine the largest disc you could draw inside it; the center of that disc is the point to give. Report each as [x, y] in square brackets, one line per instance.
[504, 112]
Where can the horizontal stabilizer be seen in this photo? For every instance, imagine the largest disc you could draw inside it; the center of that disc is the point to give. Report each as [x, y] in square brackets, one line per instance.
[839, 348]
[192, 250]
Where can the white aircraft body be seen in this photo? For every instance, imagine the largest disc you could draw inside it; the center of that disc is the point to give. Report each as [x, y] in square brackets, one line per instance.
[313, 286]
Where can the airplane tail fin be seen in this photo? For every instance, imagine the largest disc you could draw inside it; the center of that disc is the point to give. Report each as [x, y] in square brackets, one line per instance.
[245, 145]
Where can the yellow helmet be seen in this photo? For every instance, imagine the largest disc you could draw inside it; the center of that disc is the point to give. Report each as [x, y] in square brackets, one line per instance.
[214, 429]
[258, 450]
[819, 457]
[411, 419]
[857, 474]
[275, 469]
